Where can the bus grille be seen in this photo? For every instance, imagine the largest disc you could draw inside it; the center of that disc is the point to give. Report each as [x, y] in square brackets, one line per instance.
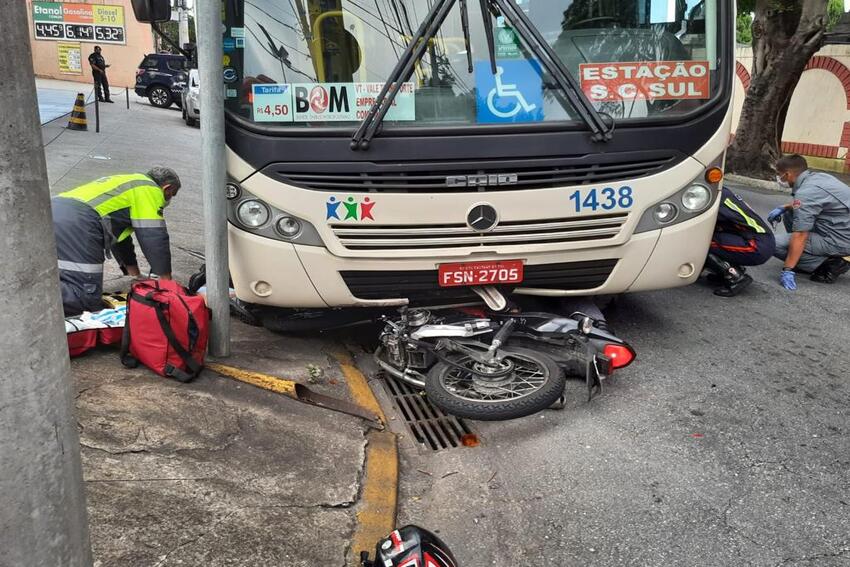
[448, 177]
[419, 285]
[459, 235]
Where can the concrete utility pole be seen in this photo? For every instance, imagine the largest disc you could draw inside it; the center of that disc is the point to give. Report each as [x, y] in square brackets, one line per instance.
[182, 26]
[43, 519]
[208, 18]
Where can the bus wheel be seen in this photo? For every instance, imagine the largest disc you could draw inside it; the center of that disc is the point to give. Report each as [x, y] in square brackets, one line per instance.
[244, 313]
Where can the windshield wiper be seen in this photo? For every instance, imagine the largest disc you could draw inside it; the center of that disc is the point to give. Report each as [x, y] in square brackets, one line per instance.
[488, 33]
[402, 71]
[600, 130]
[362, 138]
[464, 24]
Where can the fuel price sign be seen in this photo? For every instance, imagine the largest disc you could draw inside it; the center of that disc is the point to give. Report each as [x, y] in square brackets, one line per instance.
[79, 22]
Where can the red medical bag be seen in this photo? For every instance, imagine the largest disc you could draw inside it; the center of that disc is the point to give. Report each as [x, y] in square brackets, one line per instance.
[166, 329]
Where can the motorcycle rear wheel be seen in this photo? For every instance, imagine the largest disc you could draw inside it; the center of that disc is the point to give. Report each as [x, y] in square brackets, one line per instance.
[534, 384]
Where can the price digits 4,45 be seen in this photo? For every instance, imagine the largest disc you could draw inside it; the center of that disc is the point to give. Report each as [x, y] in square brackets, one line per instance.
[606, 199]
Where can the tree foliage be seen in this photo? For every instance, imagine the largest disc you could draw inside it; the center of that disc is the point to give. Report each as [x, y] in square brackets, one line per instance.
[744, 28]
[834, 11]
[744, 20]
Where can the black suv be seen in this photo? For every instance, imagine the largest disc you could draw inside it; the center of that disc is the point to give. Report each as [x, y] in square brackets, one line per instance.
[161, 78]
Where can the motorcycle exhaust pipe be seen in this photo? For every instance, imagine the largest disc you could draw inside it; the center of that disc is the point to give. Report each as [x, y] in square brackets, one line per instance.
[405, 376]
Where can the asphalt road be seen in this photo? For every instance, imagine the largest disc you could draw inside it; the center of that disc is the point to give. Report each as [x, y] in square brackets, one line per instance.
[725, 443]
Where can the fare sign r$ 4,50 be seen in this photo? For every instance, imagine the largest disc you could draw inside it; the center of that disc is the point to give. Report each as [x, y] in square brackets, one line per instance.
[653, 80]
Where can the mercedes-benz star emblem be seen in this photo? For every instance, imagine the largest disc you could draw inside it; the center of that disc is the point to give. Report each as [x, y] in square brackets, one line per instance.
[482, 217]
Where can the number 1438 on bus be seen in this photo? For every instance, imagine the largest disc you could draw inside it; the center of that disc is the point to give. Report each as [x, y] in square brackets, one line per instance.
[607, 199]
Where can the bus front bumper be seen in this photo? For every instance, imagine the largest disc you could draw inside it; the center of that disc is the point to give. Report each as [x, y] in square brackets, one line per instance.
[275, 273]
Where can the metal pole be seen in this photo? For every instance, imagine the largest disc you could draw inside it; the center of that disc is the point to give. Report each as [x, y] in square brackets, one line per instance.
[97, 115]
[43, 510]
[127, 94]
[213, 173]
[182, 26]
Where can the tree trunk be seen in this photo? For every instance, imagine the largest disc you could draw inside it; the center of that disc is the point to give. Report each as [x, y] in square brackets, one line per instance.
[785, 36]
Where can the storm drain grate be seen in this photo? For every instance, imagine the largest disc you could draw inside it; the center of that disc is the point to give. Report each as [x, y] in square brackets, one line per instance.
[430, 426]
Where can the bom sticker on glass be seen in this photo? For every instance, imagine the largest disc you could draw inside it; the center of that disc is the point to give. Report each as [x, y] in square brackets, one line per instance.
[348, 102]
[652, 80]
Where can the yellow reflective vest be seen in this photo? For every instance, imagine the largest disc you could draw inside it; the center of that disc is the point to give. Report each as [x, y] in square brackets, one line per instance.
[130, 203]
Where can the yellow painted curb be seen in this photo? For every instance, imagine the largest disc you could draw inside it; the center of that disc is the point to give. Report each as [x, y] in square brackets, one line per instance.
[358, 385]
[376, 514]
[277, 385]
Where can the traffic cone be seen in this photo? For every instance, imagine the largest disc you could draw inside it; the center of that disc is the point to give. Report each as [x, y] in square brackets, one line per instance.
[78, 115]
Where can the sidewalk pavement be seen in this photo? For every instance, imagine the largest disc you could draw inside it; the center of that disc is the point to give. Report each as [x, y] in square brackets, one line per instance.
[56, 98]
[771, 185]
[215, 472]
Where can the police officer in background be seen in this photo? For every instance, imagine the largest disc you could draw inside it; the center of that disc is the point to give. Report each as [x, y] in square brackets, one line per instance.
[817, 221]
[98, 72]
[101, 217]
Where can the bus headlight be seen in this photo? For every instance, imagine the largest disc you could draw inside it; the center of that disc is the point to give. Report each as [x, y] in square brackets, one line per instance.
[249, 213]
[665, 212]
[696, 198]
[288, 227]
[252, 213]
[689, 202]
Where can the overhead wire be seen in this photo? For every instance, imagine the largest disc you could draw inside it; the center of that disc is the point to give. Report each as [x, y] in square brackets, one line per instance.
[379, 17]
[266, 12]
[386, 28]
[270, 52]
[298, 19]
[365, 21]
[293, 48]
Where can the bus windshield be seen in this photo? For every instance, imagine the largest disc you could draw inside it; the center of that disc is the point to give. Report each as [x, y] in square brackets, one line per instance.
[321, 63]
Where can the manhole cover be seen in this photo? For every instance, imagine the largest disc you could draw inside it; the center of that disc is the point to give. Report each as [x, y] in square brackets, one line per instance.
[431, 428]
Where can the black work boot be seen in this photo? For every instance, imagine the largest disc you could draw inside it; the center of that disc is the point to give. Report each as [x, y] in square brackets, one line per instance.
[829, 271]
[733, 279]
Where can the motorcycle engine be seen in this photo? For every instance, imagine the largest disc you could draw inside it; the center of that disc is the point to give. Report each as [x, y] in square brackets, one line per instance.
[401, 353]
[394, 349]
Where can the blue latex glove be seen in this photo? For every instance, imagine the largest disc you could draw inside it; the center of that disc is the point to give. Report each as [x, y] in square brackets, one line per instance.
[788, 280]
[775, 215]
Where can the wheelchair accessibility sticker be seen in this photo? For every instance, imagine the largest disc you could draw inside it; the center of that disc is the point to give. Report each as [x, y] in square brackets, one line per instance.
[513, 94]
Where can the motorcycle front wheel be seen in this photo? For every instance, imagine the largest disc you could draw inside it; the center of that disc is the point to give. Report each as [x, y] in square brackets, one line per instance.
[528, 382]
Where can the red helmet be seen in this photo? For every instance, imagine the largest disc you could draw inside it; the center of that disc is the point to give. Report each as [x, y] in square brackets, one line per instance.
[412, 546]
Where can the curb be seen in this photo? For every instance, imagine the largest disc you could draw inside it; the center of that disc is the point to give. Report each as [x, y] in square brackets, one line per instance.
[376, 514]
[756, 183]
[296, 391]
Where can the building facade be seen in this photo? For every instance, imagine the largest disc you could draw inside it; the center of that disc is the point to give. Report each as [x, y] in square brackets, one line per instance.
[63, 34]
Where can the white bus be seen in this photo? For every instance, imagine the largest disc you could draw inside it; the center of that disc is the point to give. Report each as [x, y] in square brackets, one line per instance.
[551, 147]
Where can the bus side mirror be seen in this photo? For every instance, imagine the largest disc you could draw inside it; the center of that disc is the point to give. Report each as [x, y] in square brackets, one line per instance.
[152, 11]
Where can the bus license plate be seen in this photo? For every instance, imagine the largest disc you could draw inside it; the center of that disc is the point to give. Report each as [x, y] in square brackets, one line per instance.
[480, 273]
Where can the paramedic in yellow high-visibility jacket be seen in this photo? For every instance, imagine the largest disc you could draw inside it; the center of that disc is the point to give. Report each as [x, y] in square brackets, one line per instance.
[100, 217]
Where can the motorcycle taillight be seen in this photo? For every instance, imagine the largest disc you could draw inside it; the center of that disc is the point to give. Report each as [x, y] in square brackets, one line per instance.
[619, 355]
